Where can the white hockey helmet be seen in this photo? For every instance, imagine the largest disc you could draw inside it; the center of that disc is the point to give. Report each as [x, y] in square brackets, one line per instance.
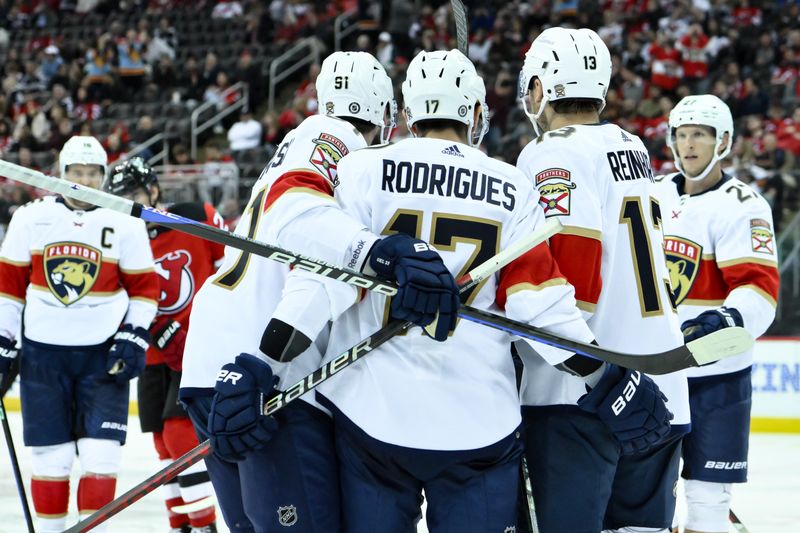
[82, 150]
[702, 110]
[355, 84]
[569, 64]
[444, 85]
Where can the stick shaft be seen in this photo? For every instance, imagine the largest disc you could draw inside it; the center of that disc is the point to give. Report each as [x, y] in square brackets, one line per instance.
[15, 467]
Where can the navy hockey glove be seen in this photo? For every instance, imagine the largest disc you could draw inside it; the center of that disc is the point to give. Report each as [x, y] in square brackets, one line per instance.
[127, 354]
[8, 352]
[169, 337]
[632, 406]
[711, 321]
[236, 422]
[425, 286]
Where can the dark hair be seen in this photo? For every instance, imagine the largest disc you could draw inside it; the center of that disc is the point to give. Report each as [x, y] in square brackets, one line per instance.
[576, 105]
[426, 126]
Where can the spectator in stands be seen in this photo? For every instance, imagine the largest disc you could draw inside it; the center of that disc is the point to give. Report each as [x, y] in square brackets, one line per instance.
[181, 155]
[63, 131]
[220, 176]
[384, 52]
[86, 109]
[163, 73]
[211, 69]
[167, 32]
[114, 147]
[132, 68]
[98, 69]
[269, 125]
[249, 73]
[49, 64]
[245, 133]
[6, 138]
[155, 48]
[192, 82]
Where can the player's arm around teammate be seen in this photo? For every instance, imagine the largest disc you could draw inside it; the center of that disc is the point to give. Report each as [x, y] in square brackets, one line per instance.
[262, 467]
[719, 242]
[86, 278]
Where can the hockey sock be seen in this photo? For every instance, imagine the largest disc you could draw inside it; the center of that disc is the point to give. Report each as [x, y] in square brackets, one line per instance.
[194, 483]
[170, 490]
[50, 500]
[94, 491]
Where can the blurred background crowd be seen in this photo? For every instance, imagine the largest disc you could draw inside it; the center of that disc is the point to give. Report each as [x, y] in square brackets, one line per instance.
[185, 83]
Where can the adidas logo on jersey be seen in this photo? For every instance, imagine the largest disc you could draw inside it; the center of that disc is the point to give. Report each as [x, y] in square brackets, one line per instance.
[625, 137]
[452, 150]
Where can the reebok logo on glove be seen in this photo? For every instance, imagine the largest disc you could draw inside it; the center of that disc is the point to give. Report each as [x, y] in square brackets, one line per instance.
[226, 376]
[627, 393]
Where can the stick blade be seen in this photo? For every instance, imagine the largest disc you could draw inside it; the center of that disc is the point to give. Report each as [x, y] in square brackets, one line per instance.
[720, 344]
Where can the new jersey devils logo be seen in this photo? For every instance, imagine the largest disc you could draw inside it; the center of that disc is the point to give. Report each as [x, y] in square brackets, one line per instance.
[177, 282]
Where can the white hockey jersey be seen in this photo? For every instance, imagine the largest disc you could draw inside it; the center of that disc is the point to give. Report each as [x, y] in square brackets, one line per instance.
[233, 307]
[597, 179]
[721, 251]
[79, 274]
[459, 394]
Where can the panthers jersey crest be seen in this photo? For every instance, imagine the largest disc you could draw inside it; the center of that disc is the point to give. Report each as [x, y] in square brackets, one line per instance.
[71, 270]
[683, 261]
[328, 150]
[555, 187]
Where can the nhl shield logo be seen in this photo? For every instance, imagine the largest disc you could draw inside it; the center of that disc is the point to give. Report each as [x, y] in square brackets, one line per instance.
[683, 262]
[71, 269]
[287, 515]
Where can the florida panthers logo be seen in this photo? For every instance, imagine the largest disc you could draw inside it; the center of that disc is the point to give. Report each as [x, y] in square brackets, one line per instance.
[177, 281]
[683, 261]
[71, 270]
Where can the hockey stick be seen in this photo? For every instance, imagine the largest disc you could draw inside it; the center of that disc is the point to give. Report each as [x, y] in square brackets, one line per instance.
[469, 280]
[527, 488]
[462, 29]
[713, 347]
[15, 466]
[737, 524]
[718, 345]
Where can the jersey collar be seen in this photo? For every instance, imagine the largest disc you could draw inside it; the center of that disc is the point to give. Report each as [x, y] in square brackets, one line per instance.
[680, 182]
[61, 200]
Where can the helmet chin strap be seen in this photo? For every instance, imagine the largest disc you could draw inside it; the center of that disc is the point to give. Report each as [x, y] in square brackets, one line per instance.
[534, 116]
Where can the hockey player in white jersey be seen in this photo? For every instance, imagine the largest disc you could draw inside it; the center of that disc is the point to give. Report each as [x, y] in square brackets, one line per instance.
[596, 179]
[86, 279]
[443, 417]
[720, 248]
[267, 479]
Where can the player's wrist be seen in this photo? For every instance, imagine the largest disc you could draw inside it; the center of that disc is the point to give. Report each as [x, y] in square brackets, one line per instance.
[359, 251]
